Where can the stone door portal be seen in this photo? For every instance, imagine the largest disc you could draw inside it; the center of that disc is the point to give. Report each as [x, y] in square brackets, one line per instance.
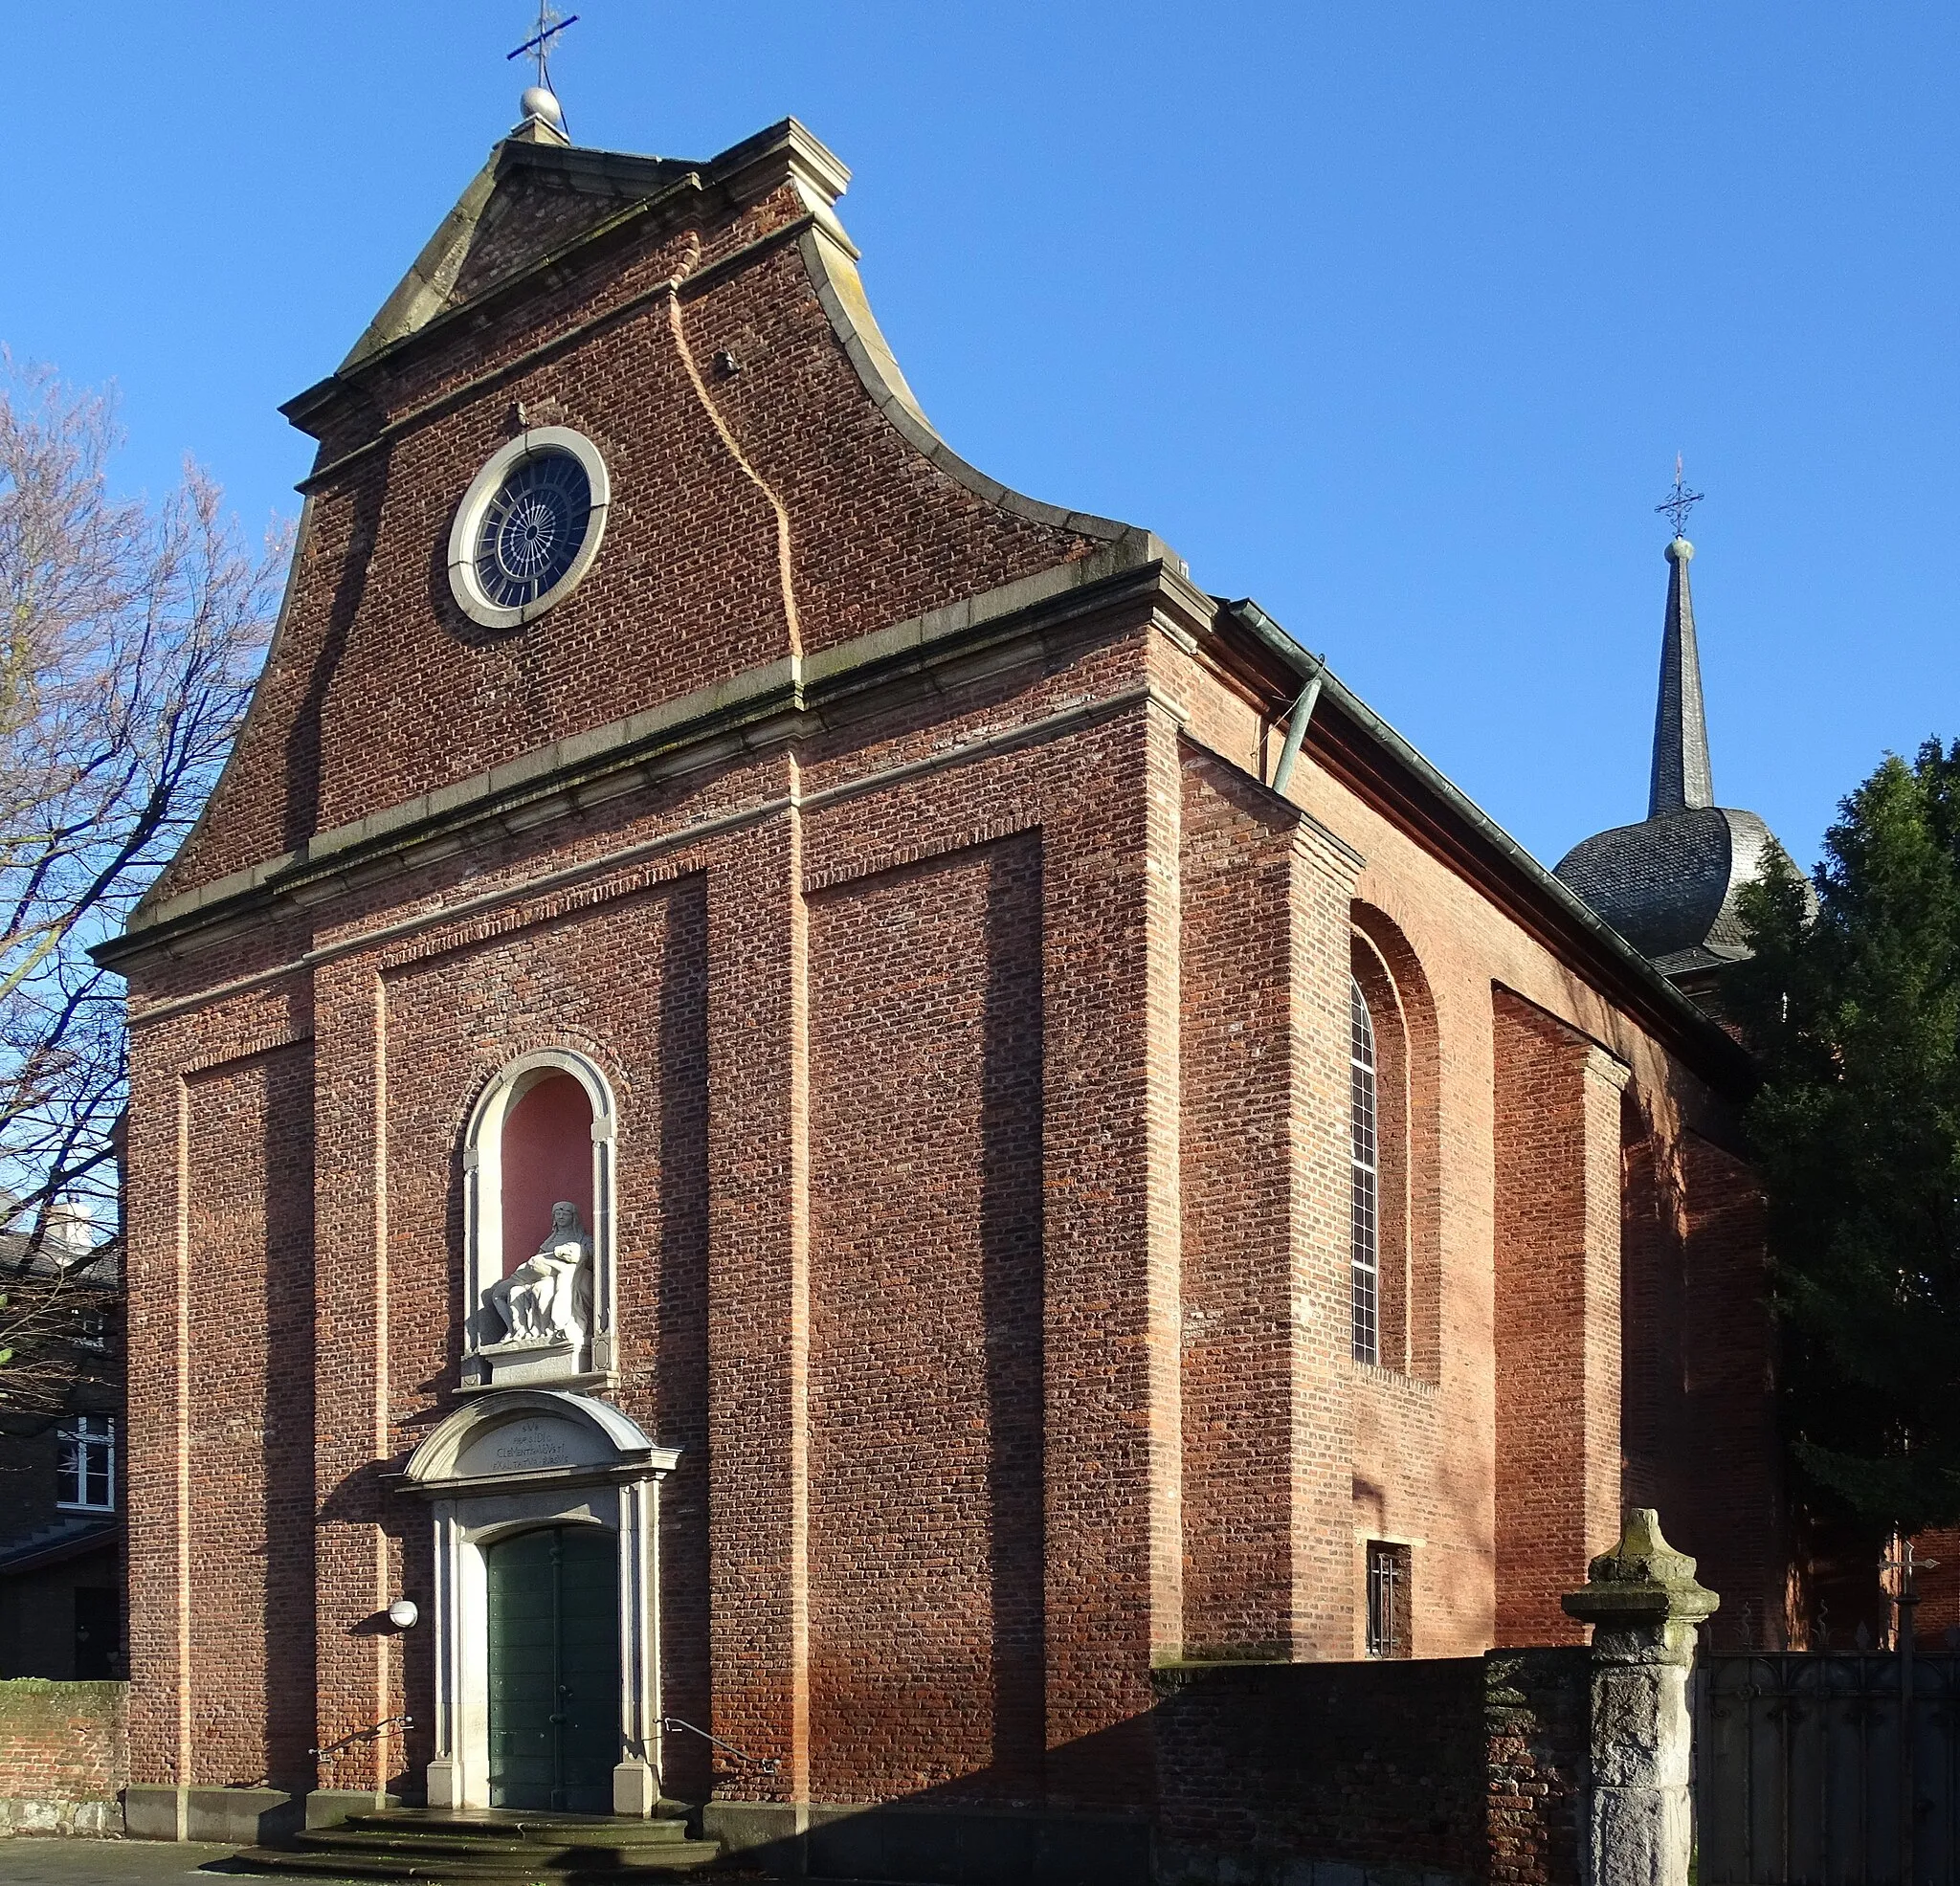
[555, 1669]
[545, 1622]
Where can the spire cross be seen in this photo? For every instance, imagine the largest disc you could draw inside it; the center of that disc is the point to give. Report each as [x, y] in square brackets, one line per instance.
[550, 24]
[1680, 502]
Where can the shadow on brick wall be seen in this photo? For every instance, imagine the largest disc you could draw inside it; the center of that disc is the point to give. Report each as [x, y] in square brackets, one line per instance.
[1460, 1769]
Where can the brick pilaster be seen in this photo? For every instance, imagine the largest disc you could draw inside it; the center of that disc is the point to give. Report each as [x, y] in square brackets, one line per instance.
[1110, 1242]
[1557, 1232]
[759, 1300]
[1325, 1587]
[355, 1558]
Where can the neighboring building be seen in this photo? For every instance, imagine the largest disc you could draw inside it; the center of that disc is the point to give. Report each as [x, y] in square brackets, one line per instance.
[825, 1103]
[60, 1486]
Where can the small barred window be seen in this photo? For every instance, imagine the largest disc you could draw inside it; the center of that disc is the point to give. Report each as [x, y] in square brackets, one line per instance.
[1388, 1599]
[1364, 1239]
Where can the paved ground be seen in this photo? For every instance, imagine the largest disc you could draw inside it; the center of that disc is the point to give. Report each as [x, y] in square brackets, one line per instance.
[27, 1861]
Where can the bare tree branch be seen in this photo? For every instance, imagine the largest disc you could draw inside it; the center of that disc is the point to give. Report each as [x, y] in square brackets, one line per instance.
[129, 638]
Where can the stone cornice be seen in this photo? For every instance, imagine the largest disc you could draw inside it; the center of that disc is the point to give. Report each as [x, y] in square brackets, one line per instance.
[756, 709]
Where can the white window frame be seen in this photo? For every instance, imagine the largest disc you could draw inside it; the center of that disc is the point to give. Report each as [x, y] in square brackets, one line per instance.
[93, 1438]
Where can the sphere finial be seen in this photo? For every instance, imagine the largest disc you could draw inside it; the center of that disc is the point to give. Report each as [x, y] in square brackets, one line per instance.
[541, 102]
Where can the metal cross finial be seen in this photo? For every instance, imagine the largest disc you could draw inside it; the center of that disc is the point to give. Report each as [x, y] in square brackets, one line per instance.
[1680, 502]
[550, 24]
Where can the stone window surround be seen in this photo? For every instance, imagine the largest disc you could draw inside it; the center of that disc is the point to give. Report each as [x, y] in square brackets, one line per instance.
[484, 1211]
[534, 441]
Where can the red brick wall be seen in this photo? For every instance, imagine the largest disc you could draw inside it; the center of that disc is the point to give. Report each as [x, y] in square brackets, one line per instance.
[1327, 1588]
[63, 1741]
[1702, 1438]
[926, 1416]
[1652, 1293]
[625, 983]
[1237, 1100]
[378, 689]
[1557, 1158]
[1538, 1726]
[249, 1240]
[1731, 1513]
[1471, 1767]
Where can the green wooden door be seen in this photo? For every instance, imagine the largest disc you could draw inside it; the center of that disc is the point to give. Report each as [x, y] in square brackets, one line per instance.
[555, 1669]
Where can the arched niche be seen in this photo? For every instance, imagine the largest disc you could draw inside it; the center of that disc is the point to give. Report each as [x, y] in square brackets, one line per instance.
[540, 1306]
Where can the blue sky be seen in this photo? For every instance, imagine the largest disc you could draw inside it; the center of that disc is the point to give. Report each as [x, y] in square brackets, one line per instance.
[1393, 317]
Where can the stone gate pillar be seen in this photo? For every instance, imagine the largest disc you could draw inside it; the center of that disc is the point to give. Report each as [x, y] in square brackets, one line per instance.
[1643, 1604]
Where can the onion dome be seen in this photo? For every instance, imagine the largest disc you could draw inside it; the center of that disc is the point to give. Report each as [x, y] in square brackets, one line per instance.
[1670, 884]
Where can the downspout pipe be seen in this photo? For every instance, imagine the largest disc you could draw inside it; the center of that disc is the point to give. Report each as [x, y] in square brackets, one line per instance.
[1298, 717]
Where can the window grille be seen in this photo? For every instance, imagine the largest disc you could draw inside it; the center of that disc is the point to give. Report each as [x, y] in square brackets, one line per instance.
[1388, 1599]
[1363, 1246]
[86, 1472]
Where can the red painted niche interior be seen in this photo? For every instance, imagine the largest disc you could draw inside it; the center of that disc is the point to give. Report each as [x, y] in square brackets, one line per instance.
[547, 1155]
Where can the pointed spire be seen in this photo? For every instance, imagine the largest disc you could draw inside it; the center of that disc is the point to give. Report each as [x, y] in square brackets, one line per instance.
[1680, 731]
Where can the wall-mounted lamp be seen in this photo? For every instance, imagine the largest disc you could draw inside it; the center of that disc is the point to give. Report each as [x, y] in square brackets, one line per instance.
[402, 1614]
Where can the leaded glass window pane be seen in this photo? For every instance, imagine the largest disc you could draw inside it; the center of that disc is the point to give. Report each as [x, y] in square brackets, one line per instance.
[1364, 1246]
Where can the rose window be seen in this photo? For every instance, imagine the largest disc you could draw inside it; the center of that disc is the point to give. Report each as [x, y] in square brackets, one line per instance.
[532, 529]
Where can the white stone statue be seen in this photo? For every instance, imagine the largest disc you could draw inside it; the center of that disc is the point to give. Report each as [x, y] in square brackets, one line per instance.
[548, 1296]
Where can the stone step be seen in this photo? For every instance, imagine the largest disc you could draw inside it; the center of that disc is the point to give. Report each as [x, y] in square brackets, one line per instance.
[524, 1824]
[538, 1841]
[519, 1854]
[649, 1867]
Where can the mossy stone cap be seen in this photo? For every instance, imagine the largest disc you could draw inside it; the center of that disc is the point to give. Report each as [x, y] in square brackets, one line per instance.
[1642, 1577]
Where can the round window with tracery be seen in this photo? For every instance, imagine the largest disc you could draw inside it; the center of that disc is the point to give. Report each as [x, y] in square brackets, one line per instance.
[533, 528]
[528, 527]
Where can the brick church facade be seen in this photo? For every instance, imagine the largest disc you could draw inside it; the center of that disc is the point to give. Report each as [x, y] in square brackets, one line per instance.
[838, 1091]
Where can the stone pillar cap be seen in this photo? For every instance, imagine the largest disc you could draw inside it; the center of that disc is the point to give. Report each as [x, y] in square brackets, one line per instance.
[1642, 1580]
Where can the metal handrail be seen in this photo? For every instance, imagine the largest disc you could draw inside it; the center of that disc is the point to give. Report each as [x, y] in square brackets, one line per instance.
[363, 1735]
[768, 1763]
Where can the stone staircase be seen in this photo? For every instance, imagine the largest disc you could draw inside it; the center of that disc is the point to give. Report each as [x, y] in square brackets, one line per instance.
[508, 1847]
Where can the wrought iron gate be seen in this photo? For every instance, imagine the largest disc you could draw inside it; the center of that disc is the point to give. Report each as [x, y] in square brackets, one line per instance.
[1802, 1777]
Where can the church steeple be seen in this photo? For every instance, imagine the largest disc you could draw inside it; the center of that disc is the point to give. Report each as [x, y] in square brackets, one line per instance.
[1681, 777]
[1670, 885]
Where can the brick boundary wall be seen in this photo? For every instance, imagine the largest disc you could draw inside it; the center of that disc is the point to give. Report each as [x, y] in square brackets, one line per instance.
[1538, 1713]
[64, 1756]
[1465, 1769]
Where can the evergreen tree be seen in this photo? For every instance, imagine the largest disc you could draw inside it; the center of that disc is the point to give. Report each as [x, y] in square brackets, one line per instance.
[1853, 1003]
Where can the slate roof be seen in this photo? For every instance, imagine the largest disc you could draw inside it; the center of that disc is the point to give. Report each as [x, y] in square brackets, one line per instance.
[1668, 885]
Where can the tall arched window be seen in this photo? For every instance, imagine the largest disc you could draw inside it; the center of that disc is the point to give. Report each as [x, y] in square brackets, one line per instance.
[1364, 1237]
